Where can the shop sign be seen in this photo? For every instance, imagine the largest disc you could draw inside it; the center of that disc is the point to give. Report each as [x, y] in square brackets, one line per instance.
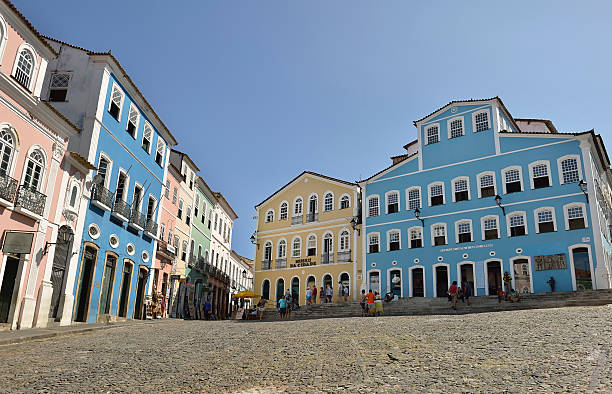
[307, 262]
[550, 262]
[18, 242]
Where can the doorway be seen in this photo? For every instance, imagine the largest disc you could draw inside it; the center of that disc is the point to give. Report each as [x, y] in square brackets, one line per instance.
[582, 269]
[494, 276]
[522, 279]
[108, 279]
[345, 281]
[85, 283]
[327, 280]
[467, 276]
[265, 290]
[63, 253]
[124, 295]
[441, 281]
[396, 283]
[140, 292]
[374, 282]
[280, 289]
[8, 287]
[295, 286]
[418, 284]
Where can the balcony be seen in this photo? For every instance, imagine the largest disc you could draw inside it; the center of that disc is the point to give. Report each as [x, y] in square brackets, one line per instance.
[8, 190]
[151, 228]
[192, 261]
[296, 220]
[102, 198]
[280, 263]
[121, 210]
[137, 220]
[30, 202]
[327, 258]
[344, 256]
[312, 217]
[266, 264]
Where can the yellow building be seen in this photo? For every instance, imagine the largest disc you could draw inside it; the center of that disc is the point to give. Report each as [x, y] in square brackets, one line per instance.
[308, 233]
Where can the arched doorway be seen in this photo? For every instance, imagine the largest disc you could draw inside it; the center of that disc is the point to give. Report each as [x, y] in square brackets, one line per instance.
[280, 288]
[328, 280]
[295, 286]
[395, 282]
[418, 283]
[582, 268]
[345, 281]
[108, 279]
[374, 281]
[494, 277]
[139, 310]
[265, 289]
[311, 281]
[88, 267]
[124, 294]
[61, 259]
[441, 277]
[466, 274]
[522, 278]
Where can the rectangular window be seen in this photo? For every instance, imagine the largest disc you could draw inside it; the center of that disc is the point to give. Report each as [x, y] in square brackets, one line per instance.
[394, 241]
[174, 194]
[392, 203]
[150, 208]
[482, 121]
[159, 154]
[540, 176]
[465, 232]
[461, 190]
[513, 181]
[517, 225]
[414, 199]
[116, 101]
[545, 222]
[490, 228]
[436, 195]
[58, 89]
[167, 191]
[180, 209]
[456, 128]
[373, 206]
[439, 234]
[132, 124]
[416, 238]
[575, 218]
[487, 186]
[373, 244]
[569, 168]
[147, 137]
[433, 135]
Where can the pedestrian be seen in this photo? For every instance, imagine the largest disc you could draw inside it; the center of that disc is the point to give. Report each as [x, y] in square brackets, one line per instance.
[467, 292]
[460, 294]
[282, 307]
[314, 293]
[514, 296]
[370, 297]
[329, 292]
[295, 300]
[346, 292]
[308, 296]
[363, 302]
[500, 295]
[322, 295]
[207, 308]
[551, 283]
[290, 306]
[261, 306]
[452, 291]
[507, 283]
[378, 304]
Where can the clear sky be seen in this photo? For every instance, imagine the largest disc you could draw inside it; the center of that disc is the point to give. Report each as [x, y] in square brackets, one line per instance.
[258, 91]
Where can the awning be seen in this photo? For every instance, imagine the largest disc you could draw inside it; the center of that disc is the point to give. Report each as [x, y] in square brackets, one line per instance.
[246, 294]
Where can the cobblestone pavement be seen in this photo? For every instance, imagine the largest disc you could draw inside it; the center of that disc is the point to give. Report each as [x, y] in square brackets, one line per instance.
[554, 350]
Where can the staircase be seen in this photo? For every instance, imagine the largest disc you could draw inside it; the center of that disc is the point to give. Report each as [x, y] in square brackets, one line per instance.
[441, 306]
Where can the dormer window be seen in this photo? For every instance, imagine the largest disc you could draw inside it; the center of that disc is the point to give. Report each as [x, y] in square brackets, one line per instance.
[481, 121]
[58, 87]
[116, 102]
[455, 127]
[433, 134]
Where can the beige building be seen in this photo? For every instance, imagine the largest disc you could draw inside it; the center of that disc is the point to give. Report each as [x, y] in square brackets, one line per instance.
[309, 233]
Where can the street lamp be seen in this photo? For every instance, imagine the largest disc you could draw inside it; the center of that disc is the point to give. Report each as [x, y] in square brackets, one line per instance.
[583, 186]
[354, 223]
[498, 201]
[63, 237]
[417, 214]
[254, 241]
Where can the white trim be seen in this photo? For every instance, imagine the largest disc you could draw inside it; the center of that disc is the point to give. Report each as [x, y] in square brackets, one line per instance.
[515, 213]
[316, 244]
[435, 279]
[280, 210]
[278, 248]
[368, 235]
[425, 132]
[535, 217]
[132, 105]
[457, 222]
[578, 165]
[332, 203]
[35, 65]
[266, 216]
[505, 170]
[401, 272]
[368, 205]
[317, 200]
[475, 284]
[300, 251]
[575, 204]
[299, 285]
[340, 200]
[535, 163]
[4, 33]
[41, 186]
[482, 174]
[293, 206]
[467, 179]
[331, 246]
[388, 235]
[410, 239]
[486, 268]
[511, 261]
[368, 273]
[431, 231]
[482, 225]
[482, 103]
[489, 120]
[448, 126]
[407, 191]
[340, 240]
[16, 146]
[399, 202]
[573, 269]
[429, 192]
[139, 207]
[411, 281]
[276, 298]
[110, 100]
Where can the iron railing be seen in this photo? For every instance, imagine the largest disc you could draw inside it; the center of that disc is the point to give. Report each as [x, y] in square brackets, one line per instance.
[102, 195]
[296, 219]
[327, 258]
[151, 227]
[344, 256]
[280, 263]
[121, 208]
[30, 199]
[22, 78]
[8, 188]
[137, 218]
[312, 217]
[266, 264]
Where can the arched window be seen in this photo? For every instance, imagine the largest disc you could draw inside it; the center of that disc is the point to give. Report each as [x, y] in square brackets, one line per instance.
[296, 250]
[7, 147]
[345, 202]
[283, 211]
[311, 246]
[297, 208]
[345, 240]
[25, 68]
[265, 289]
[268, 251]
[73, 195]
[329, 202]
[269, 216]
[328, 249]
[34, 170]
[282, 249]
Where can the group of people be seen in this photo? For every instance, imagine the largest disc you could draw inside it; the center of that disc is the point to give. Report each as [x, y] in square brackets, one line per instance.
[287, 303]
[325, 294]
[371, 303]
[459, 293]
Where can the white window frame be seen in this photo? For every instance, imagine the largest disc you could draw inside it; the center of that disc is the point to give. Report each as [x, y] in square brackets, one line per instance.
[535, 217]
[376, 233]
[144, 129]
[425, 130]
[266, 245]
[431, 232]
[3, 37]
[160, 143]
[309, 236]
[299, 254]
[332, 202]
[418, 188]
[482, 226]
[429, 192]
[127, 184]
[34, 74]
[536, 163]
[316, 196]
[180, 206]
[268, 219]
[133, 107]
[513, 213]
[110, 100]
[340, 201]
[388, 234]
[467, 179]
[368, 204]
[457, 223]
[448, 126]
[109, 168]
[410, 239]
[482, 174]
[584, 213]
[340, 248]
[399, 202]
[293, 213]
[280, 210]
[560, 170]
[278, 248]
[139, 207]
[505, 170]
[489, 120]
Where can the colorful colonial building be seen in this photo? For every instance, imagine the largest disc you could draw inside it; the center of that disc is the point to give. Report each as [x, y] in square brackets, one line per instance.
[308, 234]
[479, 194]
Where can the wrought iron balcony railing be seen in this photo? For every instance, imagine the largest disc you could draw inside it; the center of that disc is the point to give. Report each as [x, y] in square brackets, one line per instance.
[137, 219]
[121, 210]
[344, 256]
[102, 197]
[312, 217]
[327, 258]
[30, 199]
[296, 219]
[151, 228]
[280, 263]
[8, 188]
[266, 264]
[191, 263]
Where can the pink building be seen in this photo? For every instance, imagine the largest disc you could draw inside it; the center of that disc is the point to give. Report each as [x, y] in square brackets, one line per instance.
[41, 184]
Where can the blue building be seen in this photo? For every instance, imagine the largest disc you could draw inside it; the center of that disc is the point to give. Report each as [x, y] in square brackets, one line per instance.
[479, 194]
[128, 143]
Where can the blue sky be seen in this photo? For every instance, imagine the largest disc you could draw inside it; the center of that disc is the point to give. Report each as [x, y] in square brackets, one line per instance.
[258, 91]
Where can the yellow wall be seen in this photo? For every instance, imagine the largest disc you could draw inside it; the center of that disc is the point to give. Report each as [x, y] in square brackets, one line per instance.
[334, 222]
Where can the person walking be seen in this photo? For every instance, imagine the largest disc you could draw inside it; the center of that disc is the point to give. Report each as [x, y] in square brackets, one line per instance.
[363, 302]
[329, 292]
[467, 292]
[308, 296]
[314, 293]
[322, 295]
[261, 307]
[453, 293]
[370, 297]
[378, 304]
[346, 292]
[282, 307]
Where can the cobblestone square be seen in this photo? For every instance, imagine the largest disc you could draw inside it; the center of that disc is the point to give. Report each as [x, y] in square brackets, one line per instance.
[551, 350]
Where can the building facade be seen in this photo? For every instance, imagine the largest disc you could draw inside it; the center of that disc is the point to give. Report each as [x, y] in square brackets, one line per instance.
[38, 222]
[241, 278]
[129, 145]
[479, 194]
[308, 234]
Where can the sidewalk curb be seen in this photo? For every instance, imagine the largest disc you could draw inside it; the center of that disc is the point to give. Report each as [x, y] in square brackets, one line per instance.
[55, 334]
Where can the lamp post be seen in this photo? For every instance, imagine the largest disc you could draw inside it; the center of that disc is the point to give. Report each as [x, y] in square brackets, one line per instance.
[498, 201]
[254, 241]
[63, 237]
[583, 186]
[354, 223]
[417, 214]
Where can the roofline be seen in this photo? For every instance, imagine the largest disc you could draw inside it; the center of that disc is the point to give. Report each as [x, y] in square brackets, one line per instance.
[388, 168]
[222, 199]
[200, 179]
[28, 25]
[183, 154]
[303, 173]
[411, 143]
[548, 123]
